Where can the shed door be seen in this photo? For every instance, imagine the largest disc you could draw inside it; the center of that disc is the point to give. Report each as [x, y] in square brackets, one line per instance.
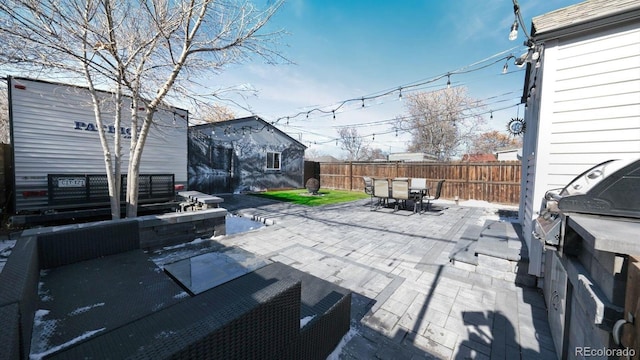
[221, 159]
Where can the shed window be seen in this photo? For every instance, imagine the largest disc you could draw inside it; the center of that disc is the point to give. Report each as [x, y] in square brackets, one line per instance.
[273, 160]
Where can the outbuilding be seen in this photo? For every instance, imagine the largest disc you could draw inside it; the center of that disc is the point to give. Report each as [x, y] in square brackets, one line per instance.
[243, 155]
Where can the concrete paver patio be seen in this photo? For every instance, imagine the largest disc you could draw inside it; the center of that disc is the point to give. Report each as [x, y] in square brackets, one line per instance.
[409, 301]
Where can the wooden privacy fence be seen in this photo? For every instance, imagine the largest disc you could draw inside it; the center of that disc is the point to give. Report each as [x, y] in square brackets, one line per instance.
[496, 182]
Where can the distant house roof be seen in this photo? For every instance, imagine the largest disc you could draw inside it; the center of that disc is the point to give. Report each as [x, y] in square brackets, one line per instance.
[415, 156]
[519, 149]
[325, 158]
[479, 157]
[509, 154]
[583, 16]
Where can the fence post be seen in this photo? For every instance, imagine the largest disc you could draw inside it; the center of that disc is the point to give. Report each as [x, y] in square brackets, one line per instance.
[468, 194]
[350, 175]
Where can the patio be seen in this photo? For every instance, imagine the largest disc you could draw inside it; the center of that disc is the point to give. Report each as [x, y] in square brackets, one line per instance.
[409, 301]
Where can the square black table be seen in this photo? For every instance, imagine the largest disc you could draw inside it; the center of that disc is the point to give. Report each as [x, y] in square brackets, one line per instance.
[206, 271]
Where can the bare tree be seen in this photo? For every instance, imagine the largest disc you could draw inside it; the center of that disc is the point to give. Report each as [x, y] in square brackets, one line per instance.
[374, 154]
[150, 51]
[4, 116]
[490, 142]
[352, 143]
[215, 113]
[441, 122]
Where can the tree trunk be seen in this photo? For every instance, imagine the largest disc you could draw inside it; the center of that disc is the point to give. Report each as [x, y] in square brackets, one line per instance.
[134, 164]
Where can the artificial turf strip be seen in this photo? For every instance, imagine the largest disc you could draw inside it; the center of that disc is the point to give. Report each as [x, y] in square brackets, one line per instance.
[324, 197]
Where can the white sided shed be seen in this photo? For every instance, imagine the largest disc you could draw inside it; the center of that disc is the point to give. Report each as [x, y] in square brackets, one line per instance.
[53, 131]
[583, 99]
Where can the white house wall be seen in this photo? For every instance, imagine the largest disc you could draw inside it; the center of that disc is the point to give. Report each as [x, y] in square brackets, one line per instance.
[52, 133]
[587, 111]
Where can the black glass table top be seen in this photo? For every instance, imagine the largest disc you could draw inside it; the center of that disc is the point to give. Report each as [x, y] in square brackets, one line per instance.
[206, 271]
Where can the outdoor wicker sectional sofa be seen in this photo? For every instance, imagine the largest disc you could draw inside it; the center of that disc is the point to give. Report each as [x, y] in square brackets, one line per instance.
[139, 312]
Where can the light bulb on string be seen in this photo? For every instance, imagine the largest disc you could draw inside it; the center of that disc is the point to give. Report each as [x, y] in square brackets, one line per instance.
[505, 68]
[400, 93]
[448, 81]
[334, 114]
[491, 117]
[514, 30]
[362, 102]
[374, 137]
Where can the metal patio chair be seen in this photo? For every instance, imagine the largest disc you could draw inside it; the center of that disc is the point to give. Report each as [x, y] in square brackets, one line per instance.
[400, 192]
[417, 190]
[368, 187]
[381, 190]
[430, 198]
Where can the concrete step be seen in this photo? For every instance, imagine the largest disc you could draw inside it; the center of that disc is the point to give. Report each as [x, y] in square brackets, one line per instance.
[494, 249]
[465, 249]
[502, 240]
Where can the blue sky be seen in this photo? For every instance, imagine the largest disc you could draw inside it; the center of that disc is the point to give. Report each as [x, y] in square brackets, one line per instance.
[344, 49]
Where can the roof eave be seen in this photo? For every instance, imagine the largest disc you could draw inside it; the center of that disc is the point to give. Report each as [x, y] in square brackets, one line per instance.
[588, 25]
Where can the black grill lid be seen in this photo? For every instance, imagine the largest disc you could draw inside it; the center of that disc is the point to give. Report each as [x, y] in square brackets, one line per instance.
[616, 194]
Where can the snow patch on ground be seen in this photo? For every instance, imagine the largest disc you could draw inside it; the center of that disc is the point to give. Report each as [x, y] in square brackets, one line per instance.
[195, 241]
[42, 331]
[335, 355]
[165, 334]
[84, 309]
[5, 250]
[305, 320]
[182, 295]
[86, 335]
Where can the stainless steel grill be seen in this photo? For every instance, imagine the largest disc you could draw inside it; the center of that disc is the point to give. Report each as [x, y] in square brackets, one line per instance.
[611, 188]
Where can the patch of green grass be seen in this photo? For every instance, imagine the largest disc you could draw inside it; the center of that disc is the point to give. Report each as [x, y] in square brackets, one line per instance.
[324, 197]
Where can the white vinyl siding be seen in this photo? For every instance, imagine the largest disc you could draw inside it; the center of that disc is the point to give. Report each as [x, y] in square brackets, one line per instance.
[595, 115]
[587, 111]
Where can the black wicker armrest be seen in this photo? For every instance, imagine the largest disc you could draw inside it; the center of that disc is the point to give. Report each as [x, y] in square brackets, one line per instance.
[19, 287]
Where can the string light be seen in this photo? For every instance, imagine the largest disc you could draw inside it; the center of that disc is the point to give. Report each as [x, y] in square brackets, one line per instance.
[514, 30]
[467, 69]
[464, 70]
[396, 130]
[513, 34]
[505, 67]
